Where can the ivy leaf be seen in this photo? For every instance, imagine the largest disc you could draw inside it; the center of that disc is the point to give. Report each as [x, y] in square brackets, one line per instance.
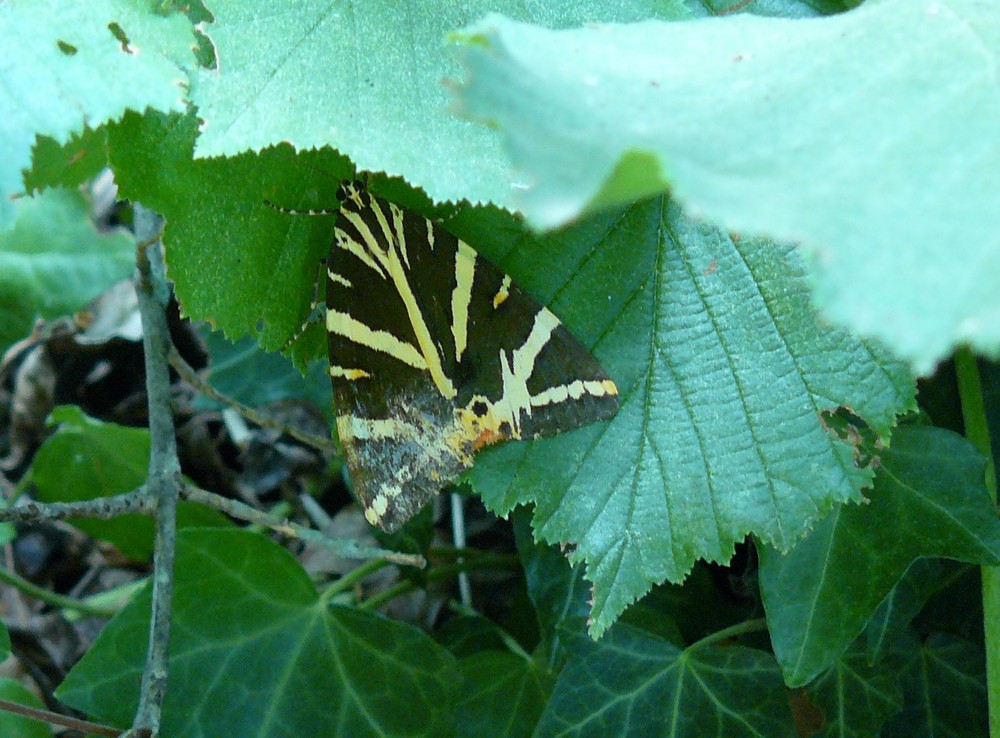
[869, 138]
[856, 697]
[630, 683]
[944, 691]
[383, 101]
[724, 371]
[503, 695]
[929, 499]
[241, 668]
[68, 65]
[85, 459]
[53, 261]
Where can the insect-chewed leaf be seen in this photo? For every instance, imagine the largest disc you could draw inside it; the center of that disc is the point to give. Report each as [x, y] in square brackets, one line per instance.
[435, 353]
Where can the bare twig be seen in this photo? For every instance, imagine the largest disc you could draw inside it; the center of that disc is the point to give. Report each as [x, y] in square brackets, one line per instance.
[164, 480]
[189, 375]
[344, 548]
[102, 508]
[54, 718]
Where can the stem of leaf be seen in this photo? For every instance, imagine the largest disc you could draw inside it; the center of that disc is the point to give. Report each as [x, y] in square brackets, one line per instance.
[977, 430]
[54, 599]
[748, 626]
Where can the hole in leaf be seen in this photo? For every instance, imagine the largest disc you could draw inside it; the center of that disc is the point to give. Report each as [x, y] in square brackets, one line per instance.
[119, 33]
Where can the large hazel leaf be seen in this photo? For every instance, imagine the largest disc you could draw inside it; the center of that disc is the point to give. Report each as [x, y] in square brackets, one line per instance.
[254, 653]
[870, 138]
[929, 499]
[724, 371]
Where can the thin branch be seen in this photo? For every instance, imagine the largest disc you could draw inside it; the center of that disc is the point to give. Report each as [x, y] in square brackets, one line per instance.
[189, 375]
[54, 718]
[347, 549]
[164, 480]
[102, 508]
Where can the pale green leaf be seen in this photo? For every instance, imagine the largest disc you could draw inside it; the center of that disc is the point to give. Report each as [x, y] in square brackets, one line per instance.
[67, 65]
[368, 78]
[54, 261]
[869, 138]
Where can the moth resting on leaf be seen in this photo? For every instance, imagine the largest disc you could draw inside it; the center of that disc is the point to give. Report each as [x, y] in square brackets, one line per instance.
[436, 353]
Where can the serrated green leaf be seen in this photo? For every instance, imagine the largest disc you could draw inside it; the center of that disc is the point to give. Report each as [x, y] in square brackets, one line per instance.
[855, 697]
[929, 499]
[17, 726]
[724, 371]
[254, 653]
[85, 459]
[869, 138]
[53, 261]
[64, 67]
[235, 261]
[944, 691]
[70, 164]
[630, 683]
[503, 695]
[383, 99]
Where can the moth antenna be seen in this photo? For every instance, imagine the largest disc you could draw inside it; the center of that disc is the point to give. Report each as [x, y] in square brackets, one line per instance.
[296, 211]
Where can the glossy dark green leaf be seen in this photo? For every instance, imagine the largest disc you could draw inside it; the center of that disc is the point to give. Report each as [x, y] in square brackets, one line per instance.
[503, 695]
[85, 459]
[929, 499]
[631, 684]
[255, 653]
[944, 691]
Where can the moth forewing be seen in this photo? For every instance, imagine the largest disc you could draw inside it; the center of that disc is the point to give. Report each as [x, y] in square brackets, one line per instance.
[435, 353]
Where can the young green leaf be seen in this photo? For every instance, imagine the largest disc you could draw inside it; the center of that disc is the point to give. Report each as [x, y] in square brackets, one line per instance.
[53, 261]
[384, 102]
